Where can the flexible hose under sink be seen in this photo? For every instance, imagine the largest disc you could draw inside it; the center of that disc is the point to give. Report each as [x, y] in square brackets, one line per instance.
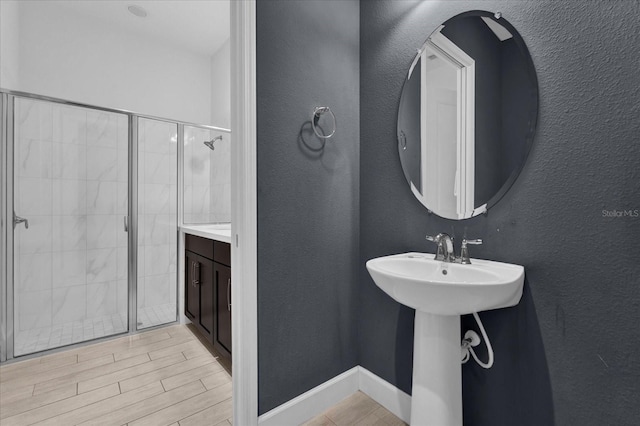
[489, 363]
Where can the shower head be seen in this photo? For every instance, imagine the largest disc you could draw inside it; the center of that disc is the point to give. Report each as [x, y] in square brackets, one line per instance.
[211, 142]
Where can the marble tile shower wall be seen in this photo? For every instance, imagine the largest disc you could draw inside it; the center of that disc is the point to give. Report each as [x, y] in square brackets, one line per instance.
[207, 177]
[220, 207]
[71, 183]
[158, 217]
[197, 171]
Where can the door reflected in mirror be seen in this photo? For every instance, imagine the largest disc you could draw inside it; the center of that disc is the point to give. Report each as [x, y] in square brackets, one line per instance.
[467, 115]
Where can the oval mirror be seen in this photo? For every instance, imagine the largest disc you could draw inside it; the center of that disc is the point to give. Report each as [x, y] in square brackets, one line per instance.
[467, 115]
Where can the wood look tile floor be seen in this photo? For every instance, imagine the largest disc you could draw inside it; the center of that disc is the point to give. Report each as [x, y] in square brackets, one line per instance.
[166, 376]
[357, 410]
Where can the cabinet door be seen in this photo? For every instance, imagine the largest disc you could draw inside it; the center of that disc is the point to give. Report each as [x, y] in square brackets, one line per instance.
[204, 272]
[191, 290]
[222, 337]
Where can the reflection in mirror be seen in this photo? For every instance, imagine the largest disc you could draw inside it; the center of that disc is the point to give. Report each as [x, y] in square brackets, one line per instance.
[467, 115]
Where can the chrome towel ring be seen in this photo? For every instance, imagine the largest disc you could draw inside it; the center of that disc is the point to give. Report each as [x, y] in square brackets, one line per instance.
[317, 113]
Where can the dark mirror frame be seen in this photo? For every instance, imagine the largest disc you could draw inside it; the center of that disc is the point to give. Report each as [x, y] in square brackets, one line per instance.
[532, 106]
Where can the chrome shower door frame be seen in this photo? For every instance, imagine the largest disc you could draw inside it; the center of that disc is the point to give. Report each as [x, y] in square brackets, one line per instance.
[7, 256]
[180, 262]
[132, 220]
[6, 228]
[8, 233]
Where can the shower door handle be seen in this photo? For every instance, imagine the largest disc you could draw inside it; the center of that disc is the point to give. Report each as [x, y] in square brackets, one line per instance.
[18, 220]
[126, 224]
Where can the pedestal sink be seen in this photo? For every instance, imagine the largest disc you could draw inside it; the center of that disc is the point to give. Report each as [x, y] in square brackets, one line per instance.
[440, 292]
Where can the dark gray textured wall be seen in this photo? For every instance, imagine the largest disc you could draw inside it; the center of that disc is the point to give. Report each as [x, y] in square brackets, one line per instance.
[569, 350]
[308, 201]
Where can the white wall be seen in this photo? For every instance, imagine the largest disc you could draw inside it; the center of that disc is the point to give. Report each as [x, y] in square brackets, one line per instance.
[71, 56]
[8, 43]
[221, 87]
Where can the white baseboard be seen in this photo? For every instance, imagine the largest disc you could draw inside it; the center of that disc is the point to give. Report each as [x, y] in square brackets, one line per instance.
[313, 402]
[385, 394]
[317, 400]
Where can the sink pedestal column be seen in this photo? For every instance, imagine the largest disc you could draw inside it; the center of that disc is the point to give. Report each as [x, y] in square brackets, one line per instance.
[437, 373]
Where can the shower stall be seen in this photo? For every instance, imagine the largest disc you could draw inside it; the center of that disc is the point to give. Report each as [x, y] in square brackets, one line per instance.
[91, 201]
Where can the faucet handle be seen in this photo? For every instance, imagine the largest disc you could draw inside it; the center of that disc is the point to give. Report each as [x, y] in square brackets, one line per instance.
[477, 241]
[464, 250]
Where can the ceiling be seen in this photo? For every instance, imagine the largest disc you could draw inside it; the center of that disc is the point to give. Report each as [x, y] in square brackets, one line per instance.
[201, 26]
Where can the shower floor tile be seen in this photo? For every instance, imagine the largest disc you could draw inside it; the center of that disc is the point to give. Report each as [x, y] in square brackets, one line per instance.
[41, 339]
[156, 315]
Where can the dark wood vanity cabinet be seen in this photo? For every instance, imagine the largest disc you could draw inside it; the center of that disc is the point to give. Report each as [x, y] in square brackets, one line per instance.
[222, 334]
[222, 285]
[199, 293]
[191, 289]
[207, 295]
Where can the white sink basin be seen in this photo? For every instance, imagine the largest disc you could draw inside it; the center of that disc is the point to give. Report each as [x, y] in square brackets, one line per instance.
[440, 292]
[420, 282]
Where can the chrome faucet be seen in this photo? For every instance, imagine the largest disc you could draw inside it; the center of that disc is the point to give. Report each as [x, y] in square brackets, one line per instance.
[445, 247]
[445, 251]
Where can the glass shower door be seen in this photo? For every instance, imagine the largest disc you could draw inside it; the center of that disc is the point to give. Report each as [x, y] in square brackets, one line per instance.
[157, 222]
[70, 188]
